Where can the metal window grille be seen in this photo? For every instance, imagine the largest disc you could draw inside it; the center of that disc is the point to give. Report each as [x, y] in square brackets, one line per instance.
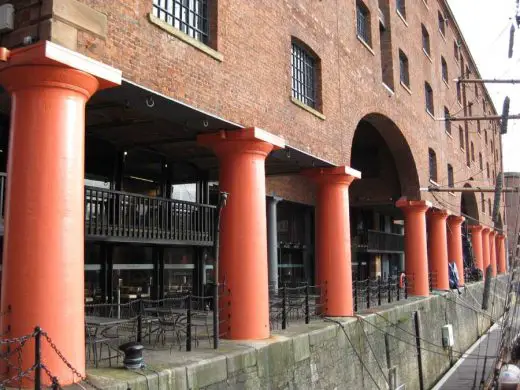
[447, 123]
[444, 66]
[189, 16]
[403, 67]
[433, 165]
[451, 181]
[363, 23]
[303, 70]
[425, 40]
[401, 7]
[429, 98]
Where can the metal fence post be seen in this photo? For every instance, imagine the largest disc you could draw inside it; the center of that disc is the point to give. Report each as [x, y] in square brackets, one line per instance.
[37, 358]
[307, 315]
[379, 290]
[284, 307]
[188, 324]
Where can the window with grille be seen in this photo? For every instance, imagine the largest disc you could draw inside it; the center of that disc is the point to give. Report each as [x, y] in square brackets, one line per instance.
[442, 23]
[447, 122]
[425, 40]
[401, 8]
[189, 16]
[303, 73]
[428, 94]
[444, 67]
[451, 181]
[461, 137]
[404, 69]
[363, 22]
[433, 165]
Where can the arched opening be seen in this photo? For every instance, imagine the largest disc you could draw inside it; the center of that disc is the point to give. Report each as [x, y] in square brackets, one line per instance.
[382, 154]
[469, 209]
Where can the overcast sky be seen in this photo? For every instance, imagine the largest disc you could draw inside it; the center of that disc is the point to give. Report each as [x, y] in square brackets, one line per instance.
[485, 25]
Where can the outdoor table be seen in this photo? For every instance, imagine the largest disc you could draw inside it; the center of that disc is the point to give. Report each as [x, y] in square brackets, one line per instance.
[105, 321]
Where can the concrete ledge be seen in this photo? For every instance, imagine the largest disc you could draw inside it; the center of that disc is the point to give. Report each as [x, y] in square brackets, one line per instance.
[207, 372]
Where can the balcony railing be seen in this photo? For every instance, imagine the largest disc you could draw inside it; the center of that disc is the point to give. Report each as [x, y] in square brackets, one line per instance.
[130, 217]
[126, 217]
[374, 241]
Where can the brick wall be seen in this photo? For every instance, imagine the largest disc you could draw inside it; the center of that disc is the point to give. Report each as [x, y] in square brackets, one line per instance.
[248, 80]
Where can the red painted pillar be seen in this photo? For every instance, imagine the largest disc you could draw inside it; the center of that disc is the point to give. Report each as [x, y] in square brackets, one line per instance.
[501, 254]
[416, 253]
[333, 255]
[476, 243]
[43, 265]
[485, 249]
[492, 252]
[243, 243]
[438, 248]
[455, 244]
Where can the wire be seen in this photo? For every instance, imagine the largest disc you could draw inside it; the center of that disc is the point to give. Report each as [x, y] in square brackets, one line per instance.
[373, 353]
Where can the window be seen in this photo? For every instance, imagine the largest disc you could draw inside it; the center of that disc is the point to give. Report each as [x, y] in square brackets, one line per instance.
[428, 95]
[472, 152]
[303, 72]
[403, 69]
[479, 130]
[489, 206]
[461, 137]
[451, 181]
[459, 93]
[401, 8]
[447, 122]
[476, 92]
[483, 202]
[442, 24]
[456, 51]
[363, 22]
[432, 157]
[481, 165]
[444, 67]
[487, 168]
[484, 108]
[485, 136]
[425, 40]
[190, 17]
[470, 108]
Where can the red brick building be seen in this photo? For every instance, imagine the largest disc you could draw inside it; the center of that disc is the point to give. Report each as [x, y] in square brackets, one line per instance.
[362, 84]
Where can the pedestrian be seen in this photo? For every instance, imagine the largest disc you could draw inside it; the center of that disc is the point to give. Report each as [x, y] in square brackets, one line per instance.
[453, 275]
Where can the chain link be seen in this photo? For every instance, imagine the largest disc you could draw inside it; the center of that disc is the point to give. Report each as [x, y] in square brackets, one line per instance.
[66, 362]
[19, 376]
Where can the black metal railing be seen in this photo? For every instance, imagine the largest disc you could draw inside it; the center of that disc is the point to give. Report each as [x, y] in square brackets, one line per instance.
[119, 214]
[379, 242]
[299, 304]
[371, 293]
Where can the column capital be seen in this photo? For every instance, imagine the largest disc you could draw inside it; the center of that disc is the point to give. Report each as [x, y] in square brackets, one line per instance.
[249, 140]
[456, 219]
[485, 230]
[53, 60]
[492, 232]
[476, 228]
[413, 205]
[438, 213]
[501, 236]
[342, 174]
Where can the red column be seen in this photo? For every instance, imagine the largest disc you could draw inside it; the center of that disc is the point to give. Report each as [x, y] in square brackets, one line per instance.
[501, 253]
[492, 252]
[333, 255]
[455, 244]
[476, 243]
[485, 249]
[43, 265]
[438, 248]
[416, 253]
[243, 244]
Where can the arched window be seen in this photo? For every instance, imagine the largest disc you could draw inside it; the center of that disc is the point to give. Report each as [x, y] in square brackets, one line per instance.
[451, 180]
[363, 22]
[433, 165]
[425, 40]
[401, 8]
[428, 97]
[447, 122]
[442, 24]
[444, 67]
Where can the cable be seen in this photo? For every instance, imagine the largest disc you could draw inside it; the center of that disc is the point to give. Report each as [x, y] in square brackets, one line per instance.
[373, 353]
[355, 350]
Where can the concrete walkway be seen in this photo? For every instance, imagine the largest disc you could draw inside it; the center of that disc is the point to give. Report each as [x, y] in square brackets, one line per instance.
[462, 374]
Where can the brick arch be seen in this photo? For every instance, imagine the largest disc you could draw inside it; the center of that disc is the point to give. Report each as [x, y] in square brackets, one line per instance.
[469, 206]
[396, 149]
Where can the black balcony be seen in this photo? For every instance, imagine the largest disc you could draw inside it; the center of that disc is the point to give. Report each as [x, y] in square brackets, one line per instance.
[373, 241]
[118, 216]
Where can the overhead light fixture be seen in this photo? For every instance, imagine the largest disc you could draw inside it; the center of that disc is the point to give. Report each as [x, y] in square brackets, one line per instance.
[125, 153]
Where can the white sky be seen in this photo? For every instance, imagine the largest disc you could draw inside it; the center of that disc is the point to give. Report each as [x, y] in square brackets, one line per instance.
[485, 25]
